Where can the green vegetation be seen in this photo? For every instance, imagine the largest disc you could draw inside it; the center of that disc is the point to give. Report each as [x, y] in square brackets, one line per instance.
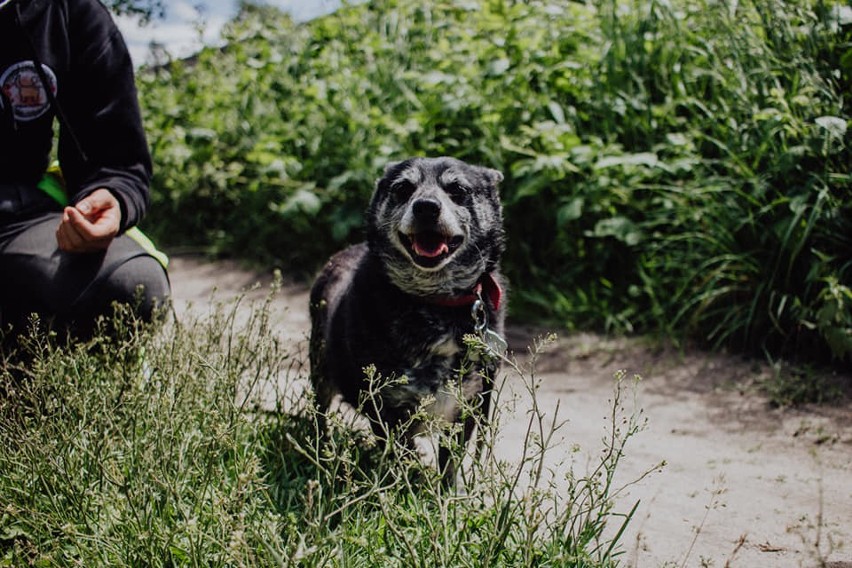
[156, 451]
[144, 10]
[678, 168]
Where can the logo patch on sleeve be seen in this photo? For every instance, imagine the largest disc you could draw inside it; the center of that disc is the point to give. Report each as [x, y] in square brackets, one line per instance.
[23, 90]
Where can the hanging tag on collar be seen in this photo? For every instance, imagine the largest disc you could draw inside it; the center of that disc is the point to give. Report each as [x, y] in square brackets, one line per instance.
[495, 345]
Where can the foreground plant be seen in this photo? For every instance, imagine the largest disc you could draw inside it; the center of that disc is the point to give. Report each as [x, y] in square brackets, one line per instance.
[158, 450]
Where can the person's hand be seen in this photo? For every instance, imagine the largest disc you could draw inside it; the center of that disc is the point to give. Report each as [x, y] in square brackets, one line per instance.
[91, 224]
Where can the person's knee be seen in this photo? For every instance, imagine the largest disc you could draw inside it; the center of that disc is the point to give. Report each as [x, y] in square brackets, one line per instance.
[141, 283]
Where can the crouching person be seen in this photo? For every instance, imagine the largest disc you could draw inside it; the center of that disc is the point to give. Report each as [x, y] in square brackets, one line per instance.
[68, 246]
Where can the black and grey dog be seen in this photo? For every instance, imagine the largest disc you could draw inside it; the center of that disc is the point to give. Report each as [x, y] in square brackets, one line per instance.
[427, 276]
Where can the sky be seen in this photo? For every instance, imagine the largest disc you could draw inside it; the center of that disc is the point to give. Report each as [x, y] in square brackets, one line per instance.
[178, 32]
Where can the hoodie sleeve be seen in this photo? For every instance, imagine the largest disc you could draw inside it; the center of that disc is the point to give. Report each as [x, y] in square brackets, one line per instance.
[100, 101]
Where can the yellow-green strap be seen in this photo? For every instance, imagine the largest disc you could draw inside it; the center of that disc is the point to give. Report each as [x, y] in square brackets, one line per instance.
[53, 184]
[147, 245]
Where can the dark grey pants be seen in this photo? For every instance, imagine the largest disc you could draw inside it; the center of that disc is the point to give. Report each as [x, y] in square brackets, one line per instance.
[70, 290]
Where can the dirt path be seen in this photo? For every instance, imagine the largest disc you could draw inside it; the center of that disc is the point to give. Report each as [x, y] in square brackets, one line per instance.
[745, 485]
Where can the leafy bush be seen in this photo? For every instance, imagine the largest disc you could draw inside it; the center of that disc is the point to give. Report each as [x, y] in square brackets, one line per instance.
[671, 167]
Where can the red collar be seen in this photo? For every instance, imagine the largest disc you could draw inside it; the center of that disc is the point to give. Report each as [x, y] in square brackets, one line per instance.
[487, 285]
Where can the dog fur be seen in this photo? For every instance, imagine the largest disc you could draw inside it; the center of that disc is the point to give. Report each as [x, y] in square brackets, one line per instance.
[401, 301]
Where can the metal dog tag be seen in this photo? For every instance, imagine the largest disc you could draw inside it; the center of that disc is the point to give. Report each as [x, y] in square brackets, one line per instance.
[497, 346]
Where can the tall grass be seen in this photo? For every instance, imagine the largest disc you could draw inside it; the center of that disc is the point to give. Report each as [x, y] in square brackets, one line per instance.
[156, 450]
[675, 167]
[138, 452]
[752, 246]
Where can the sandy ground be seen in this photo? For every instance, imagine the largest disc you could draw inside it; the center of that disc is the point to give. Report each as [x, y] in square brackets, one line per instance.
[744, 485]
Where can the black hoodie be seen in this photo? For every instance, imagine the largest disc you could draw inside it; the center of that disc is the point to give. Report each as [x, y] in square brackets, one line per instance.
[86, 62]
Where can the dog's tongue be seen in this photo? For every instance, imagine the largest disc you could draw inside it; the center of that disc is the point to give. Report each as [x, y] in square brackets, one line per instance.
[430, 245]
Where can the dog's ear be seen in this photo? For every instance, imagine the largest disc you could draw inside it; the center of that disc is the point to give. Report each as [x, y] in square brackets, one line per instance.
[391, 166]
[390, 172]
[493, 177]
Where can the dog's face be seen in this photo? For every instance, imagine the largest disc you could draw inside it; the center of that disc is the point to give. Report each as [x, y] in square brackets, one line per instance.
[436, 223]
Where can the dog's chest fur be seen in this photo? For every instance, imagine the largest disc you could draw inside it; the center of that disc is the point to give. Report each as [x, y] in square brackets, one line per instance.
[379, 325]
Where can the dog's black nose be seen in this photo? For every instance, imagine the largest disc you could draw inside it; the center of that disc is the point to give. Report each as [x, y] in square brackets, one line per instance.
[426, 209]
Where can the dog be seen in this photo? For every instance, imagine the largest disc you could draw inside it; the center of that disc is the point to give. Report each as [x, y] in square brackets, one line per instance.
[403, 301]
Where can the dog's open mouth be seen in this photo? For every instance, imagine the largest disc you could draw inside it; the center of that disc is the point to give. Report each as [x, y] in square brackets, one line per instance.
[429, 248]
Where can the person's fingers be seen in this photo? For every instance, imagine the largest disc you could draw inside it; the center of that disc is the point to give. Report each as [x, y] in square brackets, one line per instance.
[67, 236]
[62, 240]
[93, 227]
[103, 210]
[97, 201]
[78, 234]
[91, 224]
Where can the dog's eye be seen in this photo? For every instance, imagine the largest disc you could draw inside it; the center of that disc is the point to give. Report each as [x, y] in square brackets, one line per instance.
[457, 192]
[402, 190]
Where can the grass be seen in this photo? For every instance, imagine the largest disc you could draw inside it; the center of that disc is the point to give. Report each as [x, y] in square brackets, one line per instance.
[790, 386]
[156, 450]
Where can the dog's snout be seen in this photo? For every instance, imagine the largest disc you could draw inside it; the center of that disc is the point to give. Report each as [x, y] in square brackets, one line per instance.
[426, 209]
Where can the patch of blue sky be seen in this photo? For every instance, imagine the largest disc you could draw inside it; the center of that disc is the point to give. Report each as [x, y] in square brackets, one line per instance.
[191, 24]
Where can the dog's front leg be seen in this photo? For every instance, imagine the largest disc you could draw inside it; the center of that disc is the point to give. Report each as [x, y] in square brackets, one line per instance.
[473, 412]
